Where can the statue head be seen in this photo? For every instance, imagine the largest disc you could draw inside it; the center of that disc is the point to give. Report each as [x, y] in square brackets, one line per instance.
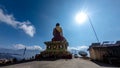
[57, 24]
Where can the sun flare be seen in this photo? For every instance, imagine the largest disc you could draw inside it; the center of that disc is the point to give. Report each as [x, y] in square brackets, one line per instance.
[80, 17]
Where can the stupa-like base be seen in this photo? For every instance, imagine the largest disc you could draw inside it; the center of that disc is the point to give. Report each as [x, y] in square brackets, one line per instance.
[55, 49]
[56, 54]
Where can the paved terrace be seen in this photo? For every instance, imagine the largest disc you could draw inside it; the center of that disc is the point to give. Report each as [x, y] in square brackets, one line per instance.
[62, 63]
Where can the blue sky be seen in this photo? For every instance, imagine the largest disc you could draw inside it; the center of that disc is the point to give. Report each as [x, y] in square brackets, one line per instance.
[30, 22]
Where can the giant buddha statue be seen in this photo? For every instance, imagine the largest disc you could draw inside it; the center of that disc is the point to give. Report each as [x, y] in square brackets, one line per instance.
[58, 34]
[57, 47]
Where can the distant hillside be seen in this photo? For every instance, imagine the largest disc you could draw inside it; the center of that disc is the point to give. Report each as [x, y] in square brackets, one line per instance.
[19, 54]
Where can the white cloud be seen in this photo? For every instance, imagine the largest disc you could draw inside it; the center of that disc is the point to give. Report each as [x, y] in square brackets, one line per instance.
[26, 26]
[83, 47]
[21, 46]
[35, 47]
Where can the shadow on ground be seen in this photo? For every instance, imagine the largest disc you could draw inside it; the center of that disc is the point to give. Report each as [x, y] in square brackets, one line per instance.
[103, 64]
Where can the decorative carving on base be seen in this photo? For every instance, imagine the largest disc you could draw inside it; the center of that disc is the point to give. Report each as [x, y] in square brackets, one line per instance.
[56, 49]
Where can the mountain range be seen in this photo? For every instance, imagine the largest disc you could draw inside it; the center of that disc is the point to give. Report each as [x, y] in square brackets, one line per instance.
[19, 53]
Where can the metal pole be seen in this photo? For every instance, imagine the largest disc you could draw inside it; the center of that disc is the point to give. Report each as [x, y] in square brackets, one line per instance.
[93, 28]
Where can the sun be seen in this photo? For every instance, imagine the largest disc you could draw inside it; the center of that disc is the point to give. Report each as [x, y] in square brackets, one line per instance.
[80, 17]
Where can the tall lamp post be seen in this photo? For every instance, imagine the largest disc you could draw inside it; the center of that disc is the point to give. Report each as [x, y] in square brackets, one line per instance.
[81, 17]
[93, 28]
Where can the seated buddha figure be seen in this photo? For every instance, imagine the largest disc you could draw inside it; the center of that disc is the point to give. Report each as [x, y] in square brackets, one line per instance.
[58, 34]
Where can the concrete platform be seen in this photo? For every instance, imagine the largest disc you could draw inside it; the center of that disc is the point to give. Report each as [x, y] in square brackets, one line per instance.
[62, 63]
